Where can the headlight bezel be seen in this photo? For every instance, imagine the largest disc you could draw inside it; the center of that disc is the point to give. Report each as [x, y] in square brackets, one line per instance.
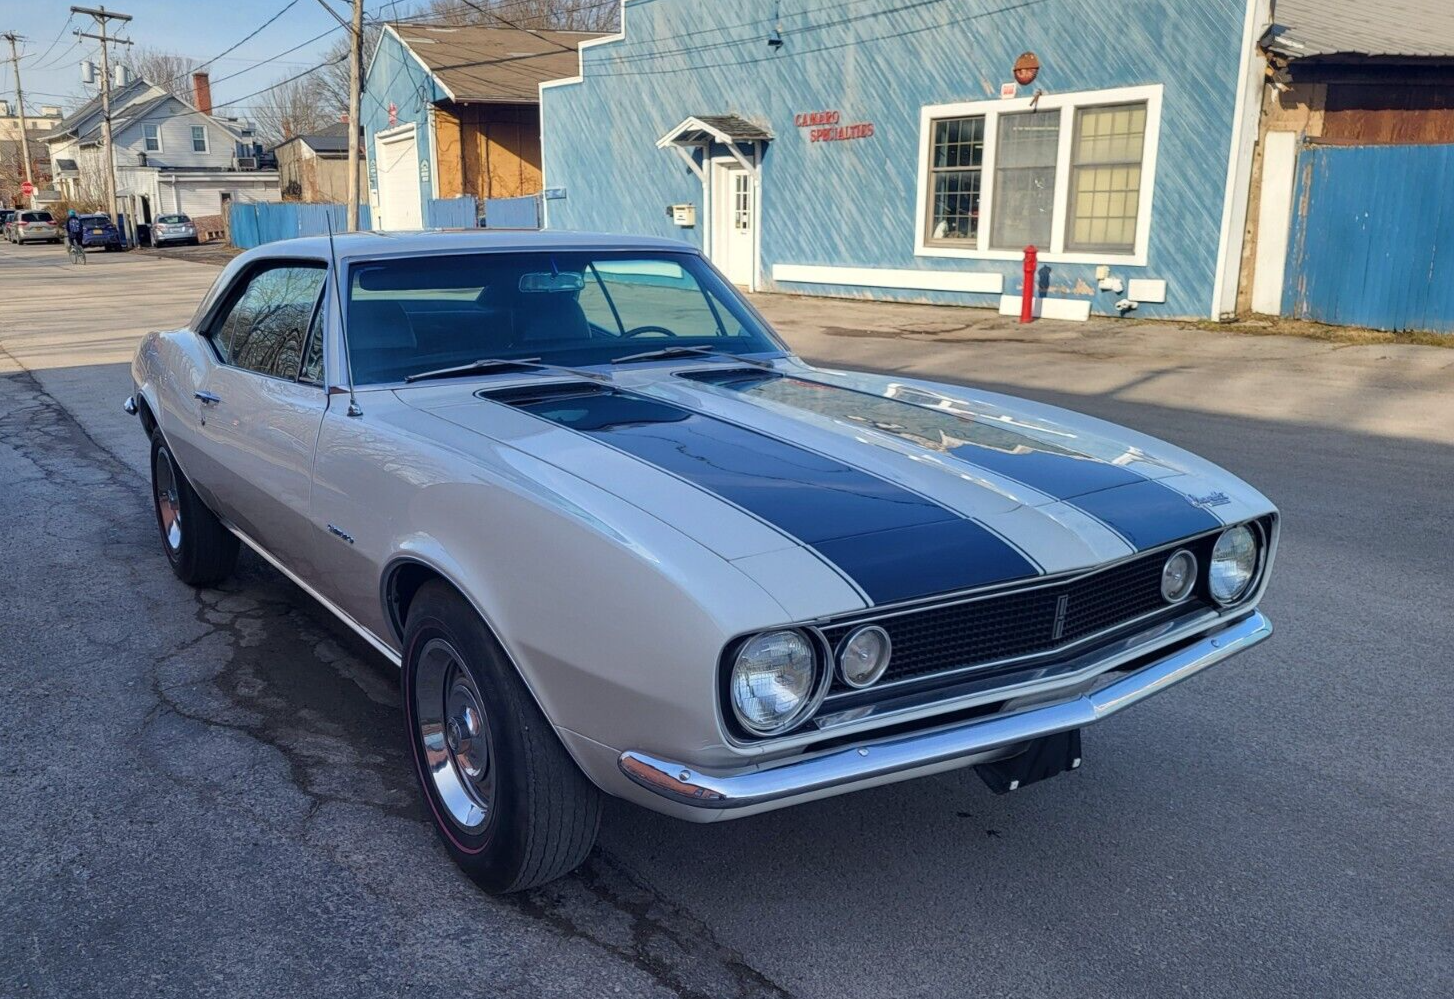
[1194, 578]
[822, 678]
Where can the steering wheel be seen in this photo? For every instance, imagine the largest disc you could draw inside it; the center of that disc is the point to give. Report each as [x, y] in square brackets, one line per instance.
[649, 329]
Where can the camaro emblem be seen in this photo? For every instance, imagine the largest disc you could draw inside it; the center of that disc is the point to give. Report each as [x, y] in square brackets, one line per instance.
[1211, 499]
[1060, 607]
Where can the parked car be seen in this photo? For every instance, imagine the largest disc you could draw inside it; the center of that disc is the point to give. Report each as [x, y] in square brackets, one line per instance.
[99, 230]
[6, 214]
[35, 227]
[621, 540]
[173, 229]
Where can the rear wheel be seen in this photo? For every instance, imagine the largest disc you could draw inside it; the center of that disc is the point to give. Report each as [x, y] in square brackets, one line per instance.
[511, 806]
[201, 551]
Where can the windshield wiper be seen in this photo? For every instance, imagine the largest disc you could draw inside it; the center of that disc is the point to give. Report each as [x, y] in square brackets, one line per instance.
[666, 353]
[474, 368]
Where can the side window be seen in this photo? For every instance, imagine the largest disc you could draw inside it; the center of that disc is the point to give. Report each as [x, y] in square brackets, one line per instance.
[264, 329]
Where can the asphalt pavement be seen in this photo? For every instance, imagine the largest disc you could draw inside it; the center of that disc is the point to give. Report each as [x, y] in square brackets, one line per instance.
[206, 794]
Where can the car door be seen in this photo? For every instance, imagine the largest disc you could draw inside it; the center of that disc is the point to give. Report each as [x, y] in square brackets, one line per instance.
[259, 407]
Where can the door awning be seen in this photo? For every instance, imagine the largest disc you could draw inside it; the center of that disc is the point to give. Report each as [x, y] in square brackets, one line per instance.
[704, 131]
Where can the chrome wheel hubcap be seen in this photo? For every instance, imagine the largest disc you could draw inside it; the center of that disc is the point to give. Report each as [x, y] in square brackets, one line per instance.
[454, 733]
[169, 504]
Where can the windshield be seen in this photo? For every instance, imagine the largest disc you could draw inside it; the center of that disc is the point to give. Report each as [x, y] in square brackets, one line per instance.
[172, 219]
[36, 217]
[574, 308]
[95, 220]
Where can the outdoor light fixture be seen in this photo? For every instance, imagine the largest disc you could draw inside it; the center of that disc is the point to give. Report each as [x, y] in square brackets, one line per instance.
[775, 40]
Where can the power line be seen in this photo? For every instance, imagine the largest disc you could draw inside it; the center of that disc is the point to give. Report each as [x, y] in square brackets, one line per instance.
[245, 38]
[694, 67]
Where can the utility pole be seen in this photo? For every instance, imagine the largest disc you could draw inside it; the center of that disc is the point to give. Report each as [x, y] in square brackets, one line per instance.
[355, 86]
[103, 17]
[12, 38]
[355, 99]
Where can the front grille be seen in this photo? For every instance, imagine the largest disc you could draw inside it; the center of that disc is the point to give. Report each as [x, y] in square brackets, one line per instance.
[1026, 623]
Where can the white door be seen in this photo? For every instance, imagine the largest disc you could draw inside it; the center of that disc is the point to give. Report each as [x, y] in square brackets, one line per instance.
[734, 214]
[399, 206]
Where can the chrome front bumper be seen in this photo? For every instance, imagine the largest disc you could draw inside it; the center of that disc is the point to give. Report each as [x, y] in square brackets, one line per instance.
[870, 762]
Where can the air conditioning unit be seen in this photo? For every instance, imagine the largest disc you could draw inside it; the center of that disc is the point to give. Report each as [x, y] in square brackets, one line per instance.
[247, 163]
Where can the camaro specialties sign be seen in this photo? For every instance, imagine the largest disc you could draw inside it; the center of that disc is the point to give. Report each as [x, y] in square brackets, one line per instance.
[827, 126]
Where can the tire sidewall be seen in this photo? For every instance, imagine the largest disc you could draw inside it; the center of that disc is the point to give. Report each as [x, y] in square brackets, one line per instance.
[493, 855]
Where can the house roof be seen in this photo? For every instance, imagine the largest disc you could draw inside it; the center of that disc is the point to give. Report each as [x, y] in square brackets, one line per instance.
[92, 108]
[1305, 29]
[329, 141]
[494, 65]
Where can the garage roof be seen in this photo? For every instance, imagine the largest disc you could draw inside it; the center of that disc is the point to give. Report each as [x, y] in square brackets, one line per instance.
[1410, 28]
[494, 65]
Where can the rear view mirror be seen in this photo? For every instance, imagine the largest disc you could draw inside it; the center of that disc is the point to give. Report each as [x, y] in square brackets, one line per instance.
[545, 282]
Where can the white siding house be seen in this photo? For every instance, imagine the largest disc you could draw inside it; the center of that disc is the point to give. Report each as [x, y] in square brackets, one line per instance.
[170, 156]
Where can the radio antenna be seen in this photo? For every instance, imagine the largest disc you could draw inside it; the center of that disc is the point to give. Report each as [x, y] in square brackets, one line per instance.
[354, 409]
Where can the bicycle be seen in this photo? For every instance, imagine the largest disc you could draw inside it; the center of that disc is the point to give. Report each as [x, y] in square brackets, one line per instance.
[76, 252]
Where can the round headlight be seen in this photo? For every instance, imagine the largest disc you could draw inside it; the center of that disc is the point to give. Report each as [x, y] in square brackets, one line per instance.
[1234, 563]
[1178, 576]
[863, 655]
[773, 682]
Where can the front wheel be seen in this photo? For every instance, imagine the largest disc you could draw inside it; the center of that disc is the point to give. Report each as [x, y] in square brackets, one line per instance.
[511, 806]
[202, 552]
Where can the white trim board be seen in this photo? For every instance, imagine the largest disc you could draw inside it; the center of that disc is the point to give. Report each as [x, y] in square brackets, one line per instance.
[976, 282]
[1076, 310]
[1274, 221]
[1246, 114]
[1066, 105]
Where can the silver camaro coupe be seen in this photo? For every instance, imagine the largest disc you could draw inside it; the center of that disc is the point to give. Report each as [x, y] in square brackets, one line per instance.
[621, 541]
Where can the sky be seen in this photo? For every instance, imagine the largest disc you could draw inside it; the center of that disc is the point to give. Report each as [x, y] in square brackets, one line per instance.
[51, 55]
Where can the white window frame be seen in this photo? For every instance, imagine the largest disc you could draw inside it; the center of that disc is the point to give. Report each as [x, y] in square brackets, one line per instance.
[206, 141]
[1065, 105]
[156, 137]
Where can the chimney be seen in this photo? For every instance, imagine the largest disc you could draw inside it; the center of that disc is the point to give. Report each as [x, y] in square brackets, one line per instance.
[202, 92]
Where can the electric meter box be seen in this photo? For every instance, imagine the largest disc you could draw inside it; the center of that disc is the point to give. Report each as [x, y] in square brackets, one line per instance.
[684, 215]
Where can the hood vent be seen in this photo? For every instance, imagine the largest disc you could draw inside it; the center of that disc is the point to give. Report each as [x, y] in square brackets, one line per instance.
[529, 395]
[737, 377]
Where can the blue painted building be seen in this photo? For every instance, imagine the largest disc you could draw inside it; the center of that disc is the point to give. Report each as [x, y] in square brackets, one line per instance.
[884, 149]
[452, 112]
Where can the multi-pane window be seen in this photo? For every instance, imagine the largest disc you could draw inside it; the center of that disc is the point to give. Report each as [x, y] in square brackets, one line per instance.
[1024, 201]
[199, 139]
[1069, 173]
[741, 201]
[956, 162]
[1105, 178]
[151, 138]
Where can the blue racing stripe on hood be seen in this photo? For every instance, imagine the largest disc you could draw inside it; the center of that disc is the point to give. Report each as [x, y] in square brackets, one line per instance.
[1143, 511]
[895, 544]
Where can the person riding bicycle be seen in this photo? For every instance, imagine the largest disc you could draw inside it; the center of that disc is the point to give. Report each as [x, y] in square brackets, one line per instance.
[73, 229]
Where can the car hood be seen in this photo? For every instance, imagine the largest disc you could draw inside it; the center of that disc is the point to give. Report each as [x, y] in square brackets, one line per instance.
[907, 488]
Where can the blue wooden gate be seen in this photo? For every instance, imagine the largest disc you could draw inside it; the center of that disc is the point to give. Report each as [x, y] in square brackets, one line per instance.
[255, 223]
[1372, 241]
[451, 213]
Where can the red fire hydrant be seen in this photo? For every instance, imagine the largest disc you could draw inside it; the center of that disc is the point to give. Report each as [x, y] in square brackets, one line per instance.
[1027, 296]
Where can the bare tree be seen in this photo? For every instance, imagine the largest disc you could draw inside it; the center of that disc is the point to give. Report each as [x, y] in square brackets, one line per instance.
[333, 77]
[298, 107]
[562, 15]
[168, 70]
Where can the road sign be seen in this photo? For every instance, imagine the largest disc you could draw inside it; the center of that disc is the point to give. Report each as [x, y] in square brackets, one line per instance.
[27, 189]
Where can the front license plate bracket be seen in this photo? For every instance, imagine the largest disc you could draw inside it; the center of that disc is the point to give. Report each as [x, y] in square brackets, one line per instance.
[1041, 759]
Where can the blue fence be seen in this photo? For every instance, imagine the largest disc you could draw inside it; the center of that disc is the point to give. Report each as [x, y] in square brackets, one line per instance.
[513, 213]
[451, 213]
[253, 224]
[1367, 235]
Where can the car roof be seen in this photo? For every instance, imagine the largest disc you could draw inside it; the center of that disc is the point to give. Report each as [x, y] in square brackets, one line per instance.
[369, 244]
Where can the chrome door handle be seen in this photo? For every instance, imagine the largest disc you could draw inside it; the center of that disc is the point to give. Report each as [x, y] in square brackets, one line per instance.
[208, 399]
